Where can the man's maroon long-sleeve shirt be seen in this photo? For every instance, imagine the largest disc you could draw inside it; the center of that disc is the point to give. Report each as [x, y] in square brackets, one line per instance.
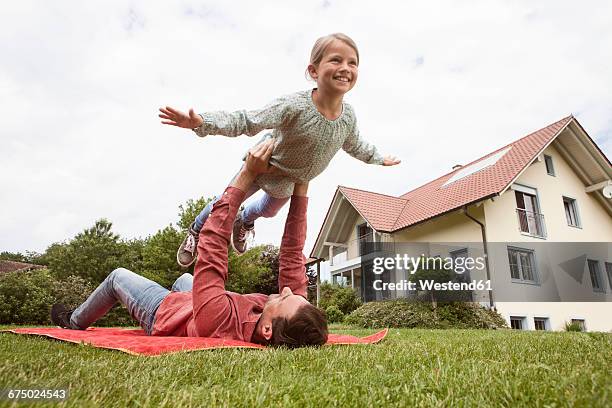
[211, 311]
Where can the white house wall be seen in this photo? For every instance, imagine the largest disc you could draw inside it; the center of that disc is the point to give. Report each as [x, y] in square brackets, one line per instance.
[596, 223]
[596, 226]
[453, 227]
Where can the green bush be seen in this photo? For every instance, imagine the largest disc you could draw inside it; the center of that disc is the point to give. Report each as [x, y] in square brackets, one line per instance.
[344, 298]
[403, 313]
[334, 315]
[71, 291]
[27, 297]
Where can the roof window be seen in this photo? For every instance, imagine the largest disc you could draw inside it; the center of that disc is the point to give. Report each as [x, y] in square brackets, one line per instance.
[476, 167]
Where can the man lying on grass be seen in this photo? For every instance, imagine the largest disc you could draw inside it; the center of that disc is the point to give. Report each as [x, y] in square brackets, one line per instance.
[209, 310]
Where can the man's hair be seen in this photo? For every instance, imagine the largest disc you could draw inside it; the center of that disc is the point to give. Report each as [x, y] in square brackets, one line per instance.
[308, 327]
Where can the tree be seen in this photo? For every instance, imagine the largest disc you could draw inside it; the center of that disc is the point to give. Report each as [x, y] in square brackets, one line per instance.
[91, 254]
[29, 257]
[190, 210]
[256, 271]
[269, 258]
[159, 256]
[13, 256]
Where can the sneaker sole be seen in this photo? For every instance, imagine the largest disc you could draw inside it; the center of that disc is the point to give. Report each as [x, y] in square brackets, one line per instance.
[185, 266]
[234, 248]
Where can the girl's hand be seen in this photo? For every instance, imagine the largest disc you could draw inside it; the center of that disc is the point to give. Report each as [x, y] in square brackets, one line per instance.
[177, 118]
[391, 161]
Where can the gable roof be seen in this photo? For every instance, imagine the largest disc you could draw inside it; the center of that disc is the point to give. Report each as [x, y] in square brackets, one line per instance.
[483, 178]
[379, 210]
[437, 197]
[479, 180]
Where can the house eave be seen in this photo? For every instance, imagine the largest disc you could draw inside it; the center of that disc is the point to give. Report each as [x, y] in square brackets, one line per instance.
[482, 199]
[535, 157]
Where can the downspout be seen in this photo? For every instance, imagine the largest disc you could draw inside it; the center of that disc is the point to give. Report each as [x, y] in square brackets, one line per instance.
[486, 252]
[318, 281]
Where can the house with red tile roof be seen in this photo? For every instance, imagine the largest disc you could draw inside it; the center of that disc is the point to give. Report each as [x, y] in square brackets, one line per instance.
[527, 210]
[14, 266]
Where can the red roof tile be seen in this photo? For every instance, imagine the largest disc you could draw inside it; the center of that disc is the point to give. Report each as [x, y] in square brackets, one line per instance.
[11, 266]
[386, 213]
[379, 210]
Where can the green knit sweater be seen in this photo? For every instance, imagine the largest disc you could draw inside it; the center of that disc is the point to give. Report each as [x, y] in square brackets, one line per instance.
[306, 141]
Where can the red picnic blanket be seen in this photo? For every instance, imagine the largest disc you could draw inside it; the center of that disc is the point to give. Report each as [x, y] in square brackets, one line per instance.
[136, 342]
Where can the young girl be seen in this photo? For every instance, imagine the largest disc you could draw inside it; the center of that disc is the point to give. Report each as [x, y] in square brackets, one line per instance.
[309, 127]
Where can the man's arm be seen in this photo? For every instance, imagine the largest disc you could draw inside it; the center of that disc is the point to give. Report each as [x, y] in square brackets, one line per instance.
[291, 260]
[211, 307]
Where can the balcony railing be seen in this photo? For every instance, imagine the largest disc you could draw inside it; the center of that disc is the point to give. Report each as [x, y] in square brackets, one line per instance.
[368, 245]
[531, 223]
[364, 246]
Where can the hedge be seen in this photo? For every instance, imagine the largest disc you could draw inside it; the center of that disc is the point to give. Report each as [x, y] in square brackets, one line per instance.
[404, 313]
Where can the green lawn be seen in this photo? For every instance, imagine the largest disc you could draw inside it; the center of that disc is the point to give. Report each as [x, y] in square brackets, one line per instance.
[409, 368]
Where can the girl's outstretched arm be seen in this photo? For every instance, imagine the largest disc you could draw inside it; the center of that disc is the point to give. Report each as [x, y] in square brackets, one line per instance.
[391, 161]
[175, 117]
[366, 152]
[360, 149]
[232, 124]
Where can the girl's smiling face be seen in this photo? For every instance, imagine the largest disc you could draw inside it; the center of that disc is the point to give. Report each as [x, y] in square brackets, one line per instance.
[338, 69]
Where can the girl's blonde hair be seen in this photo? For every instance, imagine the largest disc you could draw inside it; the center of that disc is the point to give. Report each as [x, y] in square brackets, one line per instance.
[321, 45]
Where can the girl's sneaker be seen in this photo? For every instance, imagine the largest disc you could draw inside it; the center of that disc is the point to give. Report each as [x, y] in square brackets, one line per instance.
[241, 234]
[187, 252]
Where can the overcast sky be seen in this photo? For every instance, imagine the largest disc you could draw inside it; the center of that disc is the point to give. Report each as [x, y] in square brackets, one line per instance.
[440, 83]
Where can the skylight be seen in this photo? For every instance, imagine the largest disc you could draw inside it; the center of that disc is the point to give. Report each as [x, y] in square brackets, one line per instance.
[483, 164]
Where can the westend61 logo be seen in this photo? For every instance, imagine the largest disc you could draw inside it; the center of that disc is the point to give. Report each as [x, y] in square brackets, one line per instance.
[428, 266]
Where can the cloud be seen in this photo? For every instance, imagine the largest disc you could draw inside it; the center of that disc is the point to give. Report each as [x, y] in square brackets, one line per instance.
[82, 83]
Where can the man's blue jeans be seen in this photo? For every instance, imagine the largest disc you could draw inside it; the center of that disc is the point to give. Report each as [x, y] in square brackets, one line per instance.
[138, 294]
[265, 206]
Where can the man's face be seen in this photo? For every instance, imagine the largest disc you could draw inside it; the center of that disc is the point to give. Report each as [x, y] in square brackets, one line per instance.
[284, 304]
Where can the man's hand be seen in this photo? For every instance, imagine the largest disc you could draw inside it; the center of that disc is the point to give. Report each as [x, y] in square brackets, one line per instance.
[258, 158]
[177, 118]
[391, 161]
[257, 162]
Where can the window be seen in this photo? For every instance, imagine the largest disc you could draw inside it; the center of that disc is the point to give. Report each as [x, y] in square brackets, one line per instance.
[550, 168]
[462, 273]
[476, 167]
[365, 236]
[571, 212]
[459, 257]
[540, 323]
[516, 322]
[530, 220]
[340, 280]
[609, 273]
[579, 322]
[596, 278]
[522, 265]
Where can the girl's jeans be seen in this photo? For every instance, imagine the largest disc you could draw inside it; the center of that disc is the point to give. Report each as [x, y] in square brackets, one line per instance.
[265, 206]
[138, 294]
